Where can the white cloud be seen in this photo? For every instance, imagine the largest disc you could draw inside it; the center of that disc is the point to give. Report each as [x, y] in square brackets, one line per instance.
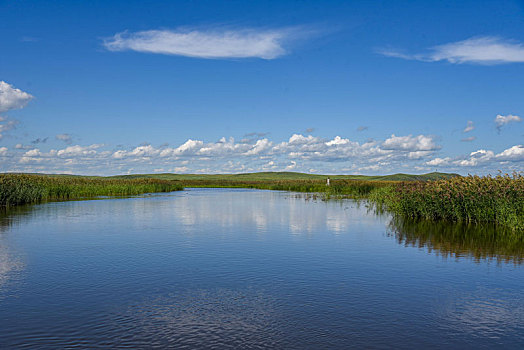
[480, 50]
[469, 127]
[76, 151]
[419, 154]
[298, 153]
[439, 161]
[337, 141]
[259, 147]
[469, 139]
[515, 153]
[476, 158]
[410, 143]
[12, 98]
[501, 120]
[21, 146]
[291, 166]
[3, 151]
[206, 43]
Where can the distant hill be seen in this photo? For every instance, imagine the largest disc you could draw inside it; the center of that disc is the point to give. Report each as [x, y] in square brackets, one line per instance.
[275, 176]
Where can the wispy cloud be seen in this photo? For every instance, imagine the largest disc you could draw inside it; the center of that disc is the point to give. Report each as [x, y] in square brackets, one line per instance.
[7, 125]
[68, 139]
[479, 50]
[12, 98]
[501, 120]
[39, 140]
[469, 139]
[469, 127]
[217, 43]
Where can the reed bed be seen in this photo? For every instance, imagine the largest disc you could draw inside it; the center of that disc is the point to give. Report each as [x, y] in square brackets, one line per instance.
[470, 199]
[16, 189]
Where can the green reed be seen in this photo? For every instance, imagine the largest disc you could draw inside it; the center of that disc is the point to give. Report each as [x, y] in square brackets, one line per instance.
[471, 199]
[16, 189]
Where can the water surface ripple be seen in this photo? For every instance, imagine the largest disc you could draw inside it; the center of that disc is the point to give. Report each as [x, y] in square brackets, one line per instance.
[249, 269]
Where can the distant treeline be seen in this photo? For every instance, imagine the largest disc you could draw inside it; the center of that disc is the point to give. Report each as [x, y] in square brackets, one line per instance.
[16, 189]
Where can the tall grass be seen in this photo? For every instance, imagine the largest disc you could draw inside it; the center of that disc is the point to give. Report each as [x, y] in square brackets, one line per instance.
[470, 199]
[16, 189]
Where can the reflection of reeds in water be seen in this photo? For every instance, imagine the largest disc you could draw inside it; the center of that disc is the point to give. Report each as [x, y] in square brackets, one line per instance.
[479, 242]
[11, 215]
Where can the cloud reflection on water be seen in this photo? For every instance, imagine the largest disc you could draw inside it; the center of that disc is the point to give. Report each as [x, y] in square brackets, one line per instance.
[259, 212]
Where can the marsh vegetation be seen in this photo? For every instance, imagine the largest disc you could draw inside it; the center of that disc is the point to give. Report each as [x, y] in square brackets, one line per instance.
[471, 199]
[16, 189]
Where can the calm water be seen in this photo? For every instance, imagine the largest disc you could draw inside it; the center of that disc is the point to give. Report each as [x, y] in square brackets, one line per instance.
[223, 268]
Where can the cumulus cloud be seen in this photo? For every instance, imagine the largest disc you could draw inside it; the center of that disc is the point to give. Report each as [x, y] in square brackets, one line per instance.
[439, 161]
[298, 153]
[469, 127]
[21, 146]
[217, 43]
[479, 50]
[12, 98]
[502, 120]
[515, 153]
[476, 158]
[76, 151]
[259, 147]
[337, 141]
[410, 143]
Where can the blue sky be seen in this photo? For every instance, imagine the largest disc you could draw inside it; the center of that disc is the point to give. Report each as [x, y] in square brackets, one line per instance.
[353, 87]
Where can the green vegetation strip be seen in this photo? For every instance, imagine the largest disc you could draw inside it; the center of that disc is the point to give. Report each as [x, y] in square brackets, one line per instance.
[472, 199]
[16, 189]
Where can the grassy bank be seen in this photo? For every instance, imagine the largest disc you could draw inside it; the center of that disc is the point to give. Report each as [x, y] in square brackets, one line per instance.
[16, 189]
